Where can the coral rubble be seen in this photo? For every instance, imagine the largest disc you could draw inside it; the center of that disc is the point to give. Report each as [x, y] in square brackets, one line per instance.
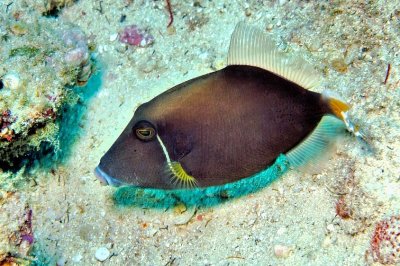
[16, 232]
[135, 36]
[41, 60]
[385, 242]
[50, 7]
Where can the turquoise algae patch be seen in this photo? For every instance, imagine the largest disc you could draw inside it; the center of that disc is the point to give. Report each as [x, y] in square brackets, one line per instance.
[200, 197]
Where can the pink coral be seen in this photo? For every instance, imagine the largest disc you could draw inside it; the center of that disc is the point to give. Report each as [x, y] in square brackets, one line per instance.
[385, 242]
[78, 54]
[135, 36]
[6, 119]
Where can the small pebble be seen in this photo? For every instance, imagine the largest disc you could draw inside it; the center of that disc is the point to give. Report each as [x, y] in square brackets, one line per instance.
[102, 254]
[151, 232]
[12, 81]
[113, 37]
[282, 251]
[184, 217]
[171, 30]
[77, 258]
[61, 261]
[281, 231]
[327, 242]
[339, 65]
[351, 54]
[330, 227]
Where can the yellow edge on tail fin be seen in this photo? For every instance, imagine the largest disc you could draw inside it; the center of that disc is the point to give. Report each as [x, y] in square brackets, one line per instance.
[338, 107]
[316, 143]
[180, 178]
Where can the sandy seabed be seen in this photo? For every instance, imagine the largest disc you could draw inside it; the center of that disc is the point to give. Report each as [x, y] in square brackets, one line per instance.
[293, 221]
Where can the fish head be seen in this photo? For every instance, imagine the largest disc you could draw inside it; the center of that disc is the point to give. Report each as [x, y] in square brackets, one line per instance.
[136, 158]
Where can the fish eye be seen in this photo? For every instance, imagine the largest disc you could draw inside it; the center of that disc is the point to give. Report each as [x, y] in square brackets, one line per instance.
[144, 131]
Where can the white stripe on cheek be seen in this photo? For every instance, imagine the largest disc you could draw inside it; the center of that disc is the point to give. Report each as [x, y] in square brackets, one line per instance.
[164, 149]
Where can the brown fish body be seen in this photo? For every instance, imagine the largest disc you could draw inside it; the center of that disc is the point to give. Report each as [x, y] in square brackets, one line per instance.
[224, 126]
[230, 124]
[271, 116]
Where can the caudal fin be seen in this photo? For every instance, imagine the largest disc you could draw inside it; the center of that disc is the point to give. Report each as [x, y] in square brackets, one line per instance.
[340, 109]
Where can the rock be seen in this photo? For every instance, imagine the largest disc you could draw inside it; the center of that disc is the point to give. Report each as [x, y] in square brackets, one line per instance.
[37, 73]
[61, 261]
[113, 37]
[135, 36]
[330, 228]
[77, 258]
[339, 65]
[102, 254]
[184, 217]
[282, 251]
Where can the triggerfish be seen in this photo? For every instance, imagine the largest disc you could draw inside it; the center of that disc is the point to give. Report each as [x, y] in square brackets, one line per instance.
[228, 125]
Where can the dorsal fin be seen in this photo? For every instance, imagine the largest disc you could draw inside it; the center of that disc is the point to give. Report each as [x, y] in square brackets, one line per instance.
[250, 46]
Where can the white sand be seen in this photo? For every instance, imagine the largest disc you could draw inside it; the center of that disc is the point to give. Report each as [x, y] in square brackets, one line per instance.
[74, 215]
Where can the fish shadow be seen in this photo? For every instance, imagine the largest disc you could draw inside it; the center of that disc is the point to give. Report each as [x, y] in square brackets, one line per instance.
[70, 124]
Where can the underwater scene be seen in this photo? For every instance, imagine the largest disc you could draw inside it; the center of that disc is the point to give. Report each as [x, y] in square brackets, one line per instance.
[166, 132]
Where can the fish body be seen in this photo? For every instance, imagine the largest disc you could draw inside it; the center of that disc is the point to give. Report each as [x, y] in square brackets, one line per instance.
[224, 126]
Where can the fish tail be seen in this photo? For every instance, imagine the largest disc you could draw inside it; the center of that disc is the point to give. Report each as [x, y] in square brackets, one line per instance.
[340, 109]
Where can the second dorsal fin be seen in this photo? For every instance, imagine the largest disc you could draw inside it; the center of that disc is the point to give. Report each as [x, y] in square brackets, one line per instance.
[250, 46]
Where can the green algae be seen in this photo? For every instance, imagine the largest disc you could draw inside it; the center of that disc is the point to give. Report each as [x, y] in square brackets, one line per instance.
[29, 51]
[200, 197]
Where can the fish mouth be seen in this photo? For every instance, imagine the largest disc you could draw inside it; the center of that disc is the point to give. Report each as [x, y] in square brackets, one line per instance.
[105, 179]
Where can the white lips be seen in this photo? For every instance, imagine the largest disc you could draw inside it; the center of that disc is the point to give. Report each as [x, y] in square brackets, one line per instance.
[106, 179]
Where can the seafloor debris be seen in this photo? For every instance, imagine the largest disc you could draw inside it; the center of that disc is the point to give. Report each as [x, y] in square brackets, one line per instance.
[385, 242]
[16, 231]
[343, 208]
[50, 7]
[355, 209]
[9, 260]
[135, 36]
[171, 16]
[23, 237]
[39, 64]
[6, 119]
[282, 251]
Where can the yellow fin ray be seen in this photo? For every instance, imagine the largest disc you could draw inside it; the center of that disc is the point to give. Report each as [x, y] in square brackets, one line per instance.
[178, 175]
